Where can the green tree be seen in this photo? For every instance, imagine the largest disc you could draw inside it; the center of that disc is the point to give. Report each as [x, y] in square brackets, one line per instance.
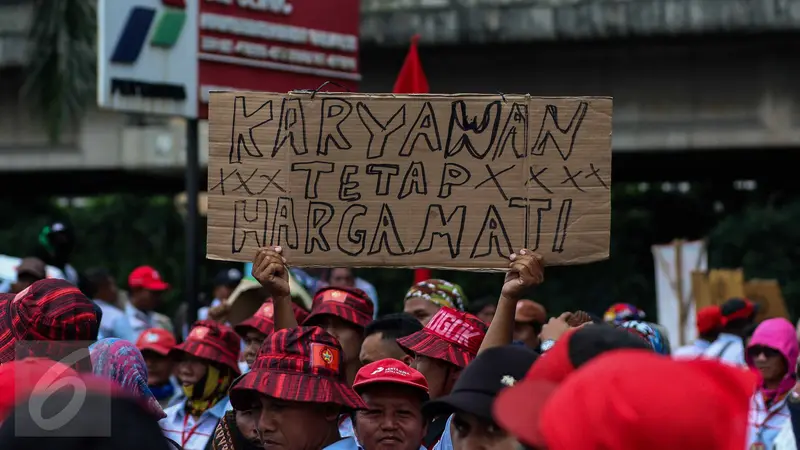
[61, 73]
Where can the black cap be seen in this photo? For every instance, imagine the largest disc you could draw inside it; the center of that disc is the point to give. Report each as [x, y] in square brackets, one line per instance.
[596, 339]
[738, 308]
[228, 277]
[480, 382]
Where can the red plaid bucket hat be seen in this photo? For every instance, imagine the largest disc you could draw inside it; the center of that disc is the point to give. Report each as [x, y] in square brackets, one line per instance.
[263, 320]
[301, 364]
[451, 335]
[213, 342]
[299, 313]
[47, 317]
[350, 304]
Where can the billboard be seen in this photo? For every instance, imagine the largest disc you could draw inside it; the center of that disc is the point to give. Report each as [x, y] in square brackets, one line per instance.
[277, 45]
[164, 56]
[147, 56]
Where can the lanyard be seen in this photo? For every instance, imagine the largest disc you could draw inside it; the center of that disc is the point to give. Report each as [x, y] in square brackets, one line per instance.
[770, 415]
[184, 437]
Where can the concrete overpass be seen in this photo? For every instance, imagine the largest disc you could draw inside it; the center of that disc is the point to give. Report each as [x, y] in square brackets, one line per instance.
[703, 89]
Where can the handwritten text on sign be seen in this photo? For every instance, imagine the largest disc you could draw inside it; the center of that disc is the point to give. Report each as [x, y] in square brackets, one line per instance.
[450, 181]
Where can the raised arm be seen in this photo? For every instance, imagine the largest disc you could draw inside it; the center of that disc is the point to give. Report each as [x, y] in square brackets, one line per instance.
[526, 269]
[269, 268]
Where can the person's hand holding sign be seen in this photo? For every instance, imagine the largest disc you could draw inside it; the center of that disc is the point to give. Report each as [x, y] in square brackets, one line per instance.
[269, 268]
[526, 270]
[219, 313]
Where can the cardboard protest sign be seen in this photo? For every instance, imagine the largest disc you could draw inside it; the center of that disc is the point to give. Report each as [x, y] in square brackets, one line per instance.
[701, 290]
[767, 294]
[725, 284]
[721, 285]
[717, 286]
[443, 181]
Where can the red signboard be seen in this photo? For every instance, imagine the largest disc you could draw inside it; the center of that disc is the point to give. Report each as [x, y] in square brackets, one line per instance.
[277, 45]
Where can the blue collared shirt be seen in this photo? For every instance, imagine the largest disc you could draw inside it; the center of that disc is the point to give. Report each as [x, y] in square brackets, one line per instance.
[114, 323]
[728, 348]
[445, 442]
[173, 425]
[139, 320]
[693, 350]
[347, 443]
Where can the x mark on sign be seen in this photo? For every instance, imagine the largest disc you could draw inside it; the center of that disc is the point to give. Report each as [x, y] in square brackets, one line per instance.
[493, 177]
[596, 173]
[534, 176]
[243, 182]
[571, 178]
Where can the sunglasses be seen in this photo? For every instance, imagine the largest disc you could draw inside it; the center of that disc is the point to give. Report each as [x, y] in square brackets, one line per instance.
[757, 350]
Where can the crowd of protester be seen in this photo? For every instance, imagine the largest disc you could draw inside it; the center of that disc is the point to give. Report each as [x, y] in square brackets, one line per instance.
[444, 374]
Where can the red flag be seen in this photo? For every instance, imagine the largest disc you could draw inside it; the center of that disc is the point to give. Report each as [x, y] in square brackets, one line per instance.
[412, 80]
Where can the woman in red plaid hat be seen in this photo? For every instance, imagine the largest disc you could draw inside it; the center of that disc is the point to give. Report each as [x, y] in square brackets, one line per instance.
[345, 313]
[296, 390]
[255, 330]
[207, 363]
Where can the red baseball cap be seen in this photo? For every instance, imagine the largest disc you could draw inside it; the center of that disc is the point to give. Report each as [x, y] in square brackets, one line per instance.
[618, 410]
[709, 319]
[146, 277]
[156, 339]
[389, 371]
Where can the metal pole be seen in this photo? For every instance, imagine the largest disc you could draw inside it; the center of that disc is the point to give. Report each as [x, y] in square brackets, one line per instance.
[192, 221]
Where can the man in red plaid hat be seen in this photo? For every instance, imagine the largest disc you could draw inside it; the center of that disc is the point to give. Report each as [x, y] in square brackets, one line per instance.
[255, 330]
[444, 347]
[207, 365]
[394, 394]
[344, 313]
[50, 318]
[297, 391]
